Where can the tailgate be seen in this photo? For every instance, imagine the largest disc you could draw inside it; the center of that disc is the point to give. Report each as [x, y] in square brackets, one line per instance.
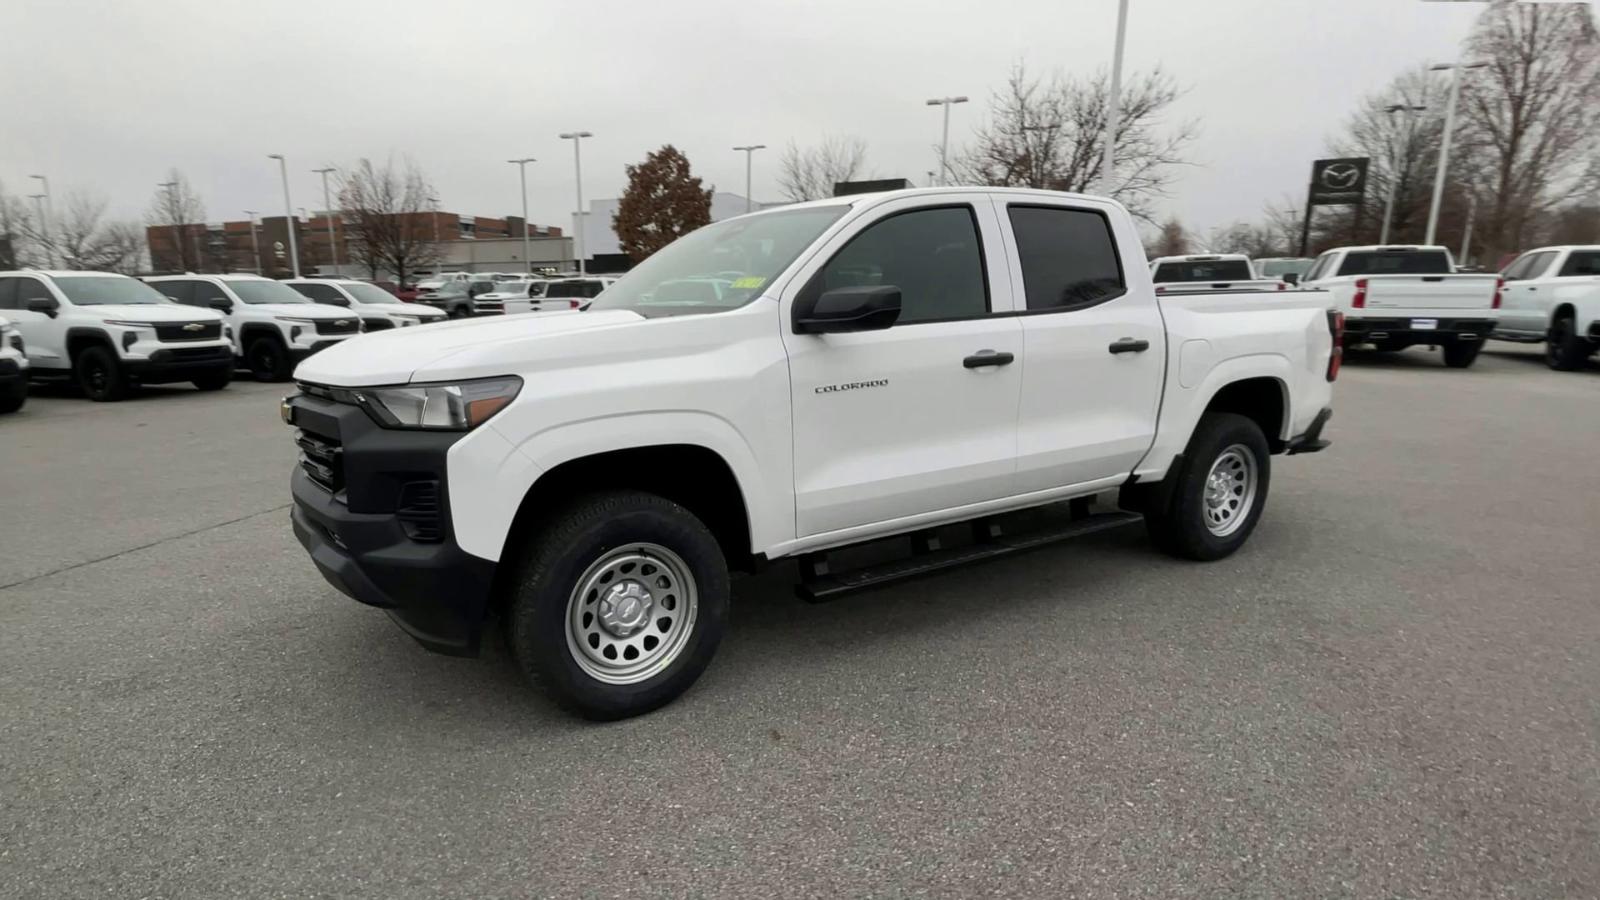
[1431, 291]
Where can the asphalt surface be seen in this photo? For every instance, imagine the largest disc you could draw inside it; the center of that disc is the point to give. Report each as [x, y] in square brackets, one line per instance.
[1390, 692]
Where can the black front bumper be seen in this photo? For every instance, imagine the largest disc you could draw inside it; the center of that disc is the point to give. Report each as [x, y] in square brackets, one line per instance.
[179, 364]
[371, 538]
[1397, 331]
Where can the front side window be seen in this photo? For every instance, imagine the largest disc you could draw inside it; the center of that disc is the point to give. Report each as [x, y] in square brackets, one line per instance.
[368, 293]
[266, 292]
[1518, 269]
[90, 291]
[1319, 269]
[31, 289]
[322, 293]
[1068, 256]
[931, 255]
[1580, 263]
[176, 291]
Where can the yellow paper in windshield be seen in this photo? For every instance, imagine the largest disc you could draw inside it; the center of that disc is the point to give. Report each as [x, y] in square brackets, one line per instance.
[750, 282]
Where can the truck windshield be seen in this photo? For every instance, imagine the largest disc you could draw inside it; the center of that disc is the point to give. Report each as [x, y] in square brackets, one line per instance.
[1204, 270]
[267, 292]
[1396, 262]
[89, 291]
[368, 293]
[744, 254]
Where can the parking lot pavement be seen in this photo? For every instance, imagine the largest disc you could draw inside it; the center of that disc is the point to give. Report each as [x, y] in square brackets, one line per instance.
[1389, 692]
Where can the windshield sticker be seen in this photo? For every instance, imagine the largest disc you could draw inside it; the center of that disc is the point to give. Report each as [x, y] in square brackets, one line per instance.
[749, 282]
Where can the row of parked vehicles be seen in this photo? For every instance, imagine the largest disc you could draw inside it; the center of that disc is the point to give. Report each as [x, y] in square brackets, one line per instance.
[464, 294]
[1394, 297]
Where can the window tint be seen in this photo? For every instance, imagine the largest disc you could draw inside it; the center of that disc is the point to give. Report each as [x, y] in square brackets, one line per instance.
[931, 255]
[206, 291]
[181, 291]
[1069, 260]
[8, 293]
[1396, 262]
[1582, 262]
[31, 289]
[1519, 268]
[565, 289]
[322, 293]
[1213, 270]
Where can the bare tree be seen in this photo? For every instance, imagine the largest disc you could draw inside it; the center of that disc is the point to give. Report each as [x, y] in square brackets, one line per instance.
[1173, 240]
[176, 209]
[1051, 134]
[809, 173]
[386, 213]
[1529, 120]
[1403, 147]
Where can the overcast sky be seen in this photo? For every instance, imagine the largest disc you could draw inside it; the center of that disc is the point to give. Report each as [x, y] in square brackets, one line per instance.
[108, 96]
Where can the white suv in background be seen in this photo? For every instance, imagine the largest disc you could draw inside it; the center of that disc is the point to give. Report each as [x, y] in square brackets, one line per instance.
[377, 308]
[13, 369]
[274, 325]
[110, 332]
[566, 293]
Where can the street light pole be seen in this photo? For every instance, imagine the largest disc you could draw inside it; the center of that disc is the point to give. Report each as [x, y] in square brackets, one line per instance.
[327, 210]
[1444, 141]
[288, 213]
[944, 139]
[1466, 239]
[438, 249]
[1394, 181]
[576, 137]
[255, 248]
[1114, 102]
[522, 169]
[749, 196]
[177, 213]
[46, 209]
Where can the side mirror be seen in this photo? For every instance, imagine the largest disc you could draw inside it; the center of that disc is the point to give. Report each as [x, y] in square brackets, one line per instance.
[1291, 278]
[869, 308]
[46, 305]
[220, 304]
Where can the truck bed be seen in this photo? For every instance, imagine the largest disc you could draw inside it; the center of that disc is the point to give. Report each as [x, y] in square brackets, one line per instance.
[1430, 292]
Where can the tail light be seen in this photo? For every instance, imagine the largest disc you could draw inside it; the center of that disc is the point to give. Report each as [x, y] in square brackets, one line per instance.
[1360, 299]
[1336, 331]
[1160, 289]
[1499, 291]
[1282, 286]
[572, 304]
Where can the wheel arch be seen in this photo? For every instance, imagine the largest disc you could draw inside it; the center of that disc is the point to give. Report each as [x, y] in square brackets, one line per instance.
[249, 331]
[80, 337]
[1263, 399]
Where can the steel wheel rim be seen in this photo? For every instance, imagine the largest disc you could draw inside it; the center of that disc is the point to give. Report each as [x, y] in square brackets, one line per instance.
[1230, 489]
[630, 613]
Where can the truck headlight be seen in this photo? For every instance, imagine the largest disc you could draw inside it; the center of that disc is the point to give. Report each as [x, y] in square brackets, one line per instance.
[456, 406]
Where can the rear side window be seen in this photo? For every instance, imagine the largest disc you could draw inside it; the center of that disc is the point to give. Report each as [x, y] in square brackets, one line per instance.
[1204, 270]
[931, 255]
[1319, 269]
[565, 289]
[1396, 262]
[1582, 262]
[8, 293]
[1069, 259]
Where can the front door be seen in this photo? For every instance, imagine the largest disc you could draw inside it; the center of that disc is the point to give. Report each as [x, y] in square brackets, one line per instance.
[1093, 339]
[896, 423]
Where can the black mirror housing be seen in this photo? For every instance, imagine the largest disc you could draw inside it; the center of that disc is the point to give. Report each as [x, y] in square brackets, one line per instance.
[220, 304]
[46, 305]
[841, 310]
[1291, 278]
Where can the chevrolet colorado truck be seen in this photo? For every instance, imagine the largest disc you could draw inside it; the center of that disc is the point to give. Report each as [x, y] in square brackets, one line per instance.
[909, 364]
[1209, 274]
[1553, 295]
[1394, 297]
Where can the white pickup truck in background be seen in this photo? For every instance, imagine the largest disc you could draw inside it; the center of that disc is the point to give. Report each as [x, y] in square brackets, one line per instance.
[1395, 297]
[908, 364]
[1552, 294]
[1209, 274]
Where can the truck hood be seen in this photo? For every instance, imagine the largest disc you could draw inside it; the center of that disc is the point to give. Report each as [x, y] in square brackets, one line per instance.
[154, 312]
[404, 309]
[402, 355]
[319, 311]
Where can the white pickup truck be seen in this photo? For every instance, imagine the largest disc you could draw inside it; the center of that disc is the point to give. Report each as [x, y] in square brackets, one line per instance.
[879, 365]
[1553, 295]
[1209, 274]
[1395, 297]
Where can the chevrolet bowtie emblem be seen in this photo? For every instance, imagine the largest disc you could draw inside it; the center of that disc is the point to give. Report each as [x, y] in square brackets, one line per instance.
[193, 326]
[342, 322]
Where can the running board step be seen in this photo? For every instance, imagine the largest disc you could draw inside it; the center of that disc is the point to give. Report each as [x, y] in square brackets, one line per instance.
[819, 585]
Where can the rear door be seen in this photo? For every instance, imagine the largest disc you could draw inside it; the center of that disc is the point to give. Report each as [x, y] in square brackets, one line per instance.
[1093, 342]
[901, 422]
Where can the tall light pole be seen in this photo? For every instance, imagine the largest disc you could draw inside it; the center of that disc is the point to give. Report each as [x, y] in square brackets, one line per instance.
[576, 137]
[255, 248]
[288, 213]
[327, 210]
[1444, 140]
[1466, 237]
[522, 170]
[38, 204]
[749, 151]
[1114, 102]
[177, 213]
[45, 209]
[1394, 181]
[944, 139]
[438, 249]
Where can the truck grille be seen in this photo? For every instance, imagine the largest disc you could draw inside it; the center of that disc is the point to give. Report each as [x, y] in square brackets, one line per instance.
[322, 460]
[174, 332]
[377, 324]
[351, 325]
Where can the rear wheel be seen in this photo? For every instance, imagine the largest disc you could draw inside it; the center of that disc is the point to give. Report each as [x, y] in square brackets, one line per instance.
[621, 604]
[1564, 349]
[99, 375]
[267, 359]
[1220, 491]
[1460, 356]
[214, 381]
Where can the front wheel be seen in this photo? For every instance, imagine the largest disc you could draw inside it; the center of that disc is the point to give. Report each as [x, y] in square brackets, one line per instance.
[620, 605]
[214, 381]
[100, 375]
[1564, 350]
[267, 358]
[1220, 491]
[1460, 356]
